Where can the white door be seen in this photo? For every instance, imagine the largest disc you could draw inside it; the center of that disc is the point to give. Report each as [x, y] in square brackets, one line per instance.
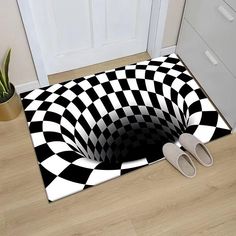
[77, 33]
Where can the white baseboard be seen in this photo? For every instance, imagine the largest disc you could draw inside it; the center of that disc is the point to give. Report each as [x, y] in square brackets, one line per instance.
[21, 88]
[168, 50]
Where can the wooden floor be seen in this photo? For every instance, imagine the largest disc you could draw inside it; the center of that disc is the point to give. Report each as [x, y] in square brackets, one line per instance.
[154, 200]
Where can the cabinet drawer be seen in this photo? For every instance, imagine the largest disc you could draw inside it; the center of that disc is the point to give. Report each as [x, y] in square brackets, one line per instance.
[215, 21]
[210, 72]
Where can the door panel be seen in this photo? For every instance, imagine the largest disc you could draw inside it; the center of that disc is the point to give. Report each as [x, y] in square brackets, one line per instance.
[78, 33]
[77, 16]
[118, 29]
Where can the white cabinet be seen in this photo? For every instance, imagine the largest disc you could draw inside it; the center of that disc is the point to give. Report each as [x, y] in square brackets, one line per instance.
[215, 21]
[207, 45]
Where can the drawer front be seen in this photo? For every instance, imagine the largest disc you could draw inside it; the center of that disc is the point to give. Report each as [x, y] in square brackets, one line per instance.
[215, 21]
[210, 72]
[231, 3]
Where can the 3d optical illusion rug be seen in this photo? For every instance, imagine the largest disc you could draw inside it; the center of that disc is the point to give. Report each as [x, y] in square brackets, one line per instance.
[92, 129]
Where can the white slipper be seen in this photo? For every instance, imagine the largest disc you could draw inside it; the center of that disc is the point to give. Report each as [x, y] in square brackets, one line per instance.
[179, 159]
[196, 148]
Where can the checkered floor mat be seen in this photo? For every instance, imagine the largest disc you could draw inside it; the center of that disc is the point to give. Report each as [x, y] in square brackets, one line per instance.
[92, 129]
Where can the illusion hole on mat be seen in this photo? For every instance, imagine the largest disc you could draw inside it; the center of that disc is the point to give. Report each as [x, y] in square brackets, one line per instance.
[136, 132]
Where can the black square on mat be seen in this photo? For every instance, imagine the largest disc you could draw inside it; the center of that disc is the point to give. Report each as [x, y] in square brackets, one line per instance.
[168, 80]
[141, 85]
[69, 156]
[149, 74]
[62, 101]
[159, 88]
[163, 69]
[76, 174]
[209, 118]
[185, 90]
[92, 94]
[111, 75]
[47, 176]
[130, 73]
[68, 116]
[36, 126]
[180, 68]
[43, 152]
[44, 106]
[93, 81]
[172, 60]
[107, 87]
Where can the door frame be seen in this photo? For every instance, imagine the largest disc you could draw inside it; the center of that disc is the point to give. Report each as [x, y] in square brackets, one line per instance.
[154, 44]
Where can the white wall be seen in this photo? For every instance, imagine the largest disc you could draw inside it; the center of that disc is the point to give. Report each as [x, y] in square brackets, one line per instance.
[13, 36]
[174, 15]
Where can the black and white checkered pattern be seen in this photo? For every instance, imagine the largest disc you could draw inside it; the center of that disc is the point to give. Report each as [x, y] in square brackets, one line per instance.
[92, 129]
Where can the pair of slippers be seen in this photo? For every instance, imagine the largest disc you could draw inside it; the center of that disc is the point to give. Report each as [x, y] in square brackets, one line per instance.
[181, 160]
